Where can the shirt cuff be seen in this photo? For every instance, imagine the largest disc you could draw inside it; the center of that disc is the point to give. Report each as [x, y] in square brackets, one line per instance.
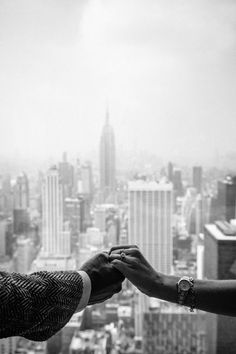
[86, 291]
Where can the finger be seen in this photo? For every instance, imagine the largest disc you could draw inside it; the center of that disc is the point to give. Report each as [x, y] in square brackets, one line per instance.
[127, 259]
[121, 266]
[135, 252]
[121, 247]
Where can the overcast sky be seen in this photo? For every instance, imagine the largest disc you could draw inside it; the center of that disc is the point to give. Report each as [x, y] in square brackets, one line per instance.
[167, 70]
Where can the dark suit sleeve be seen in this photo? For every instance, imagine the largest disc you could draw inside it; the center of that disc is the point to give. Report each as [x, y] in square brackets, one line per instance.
[38, 305]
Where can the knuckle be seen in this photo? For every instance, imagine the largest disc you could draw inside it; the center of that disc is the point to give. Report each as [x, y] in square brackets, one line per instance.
[102, 257]
[136, 253]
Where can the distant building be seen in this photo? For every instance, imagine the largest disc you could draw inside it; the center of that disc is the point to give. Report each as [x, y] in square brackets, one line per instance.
[21, 220]
[177, 182]
[202, 212]
[72, 213]
[3, 240]
[103, 213]
[150, 227]
[150, 221]
[170, 329]
[52, 264]
[197, 178]
[107, 163]
[21, 192]
[55, 241]
[86, 181]
[94, 237]
[100, 214]
[226, 198]
[89, 341]
[23, 255]
[6, 196]
[220, 263]
[8, 345]
[170, 171]
[66, 173]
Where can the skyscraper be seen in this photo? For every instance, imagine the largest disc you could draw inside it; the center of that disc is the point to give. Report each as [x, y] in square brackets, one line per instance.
[66, 173]
[226, 198]
[170, 171]
[220, 263]
[177, 182]
[197, 178]
[21, 192]
[21, 204]
[150, 227]
[55, 242]
[107, 162]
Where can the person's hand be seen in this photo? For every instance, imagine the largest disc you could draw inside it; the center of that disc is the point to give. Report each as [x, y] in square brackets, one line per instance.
[132, 264]
[105, 279]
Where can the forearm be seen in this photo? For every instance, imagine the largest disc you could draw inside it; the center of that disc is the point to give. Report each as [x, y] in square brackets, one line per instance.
[217, 296]
[36, 306]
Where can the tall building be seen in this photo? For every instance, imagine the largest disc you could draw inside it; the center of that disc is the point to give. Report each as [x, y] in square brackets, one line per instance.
[226, 198]
[107, 163]
[170, 171]
[150, 227]
[86, 181]
[6, 197]
[66, 173]
[24, 254]
[55, 241]
[21, 192]
[220, 263]
[177, 182]
[197, 178]
[3, 240]
[150, 221]
[21, 205]
[202, 212]
[170, 329]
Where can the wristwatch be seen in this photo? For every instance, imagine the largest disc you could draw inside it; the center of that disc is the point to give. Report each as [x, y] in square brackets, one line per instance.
[184, 287]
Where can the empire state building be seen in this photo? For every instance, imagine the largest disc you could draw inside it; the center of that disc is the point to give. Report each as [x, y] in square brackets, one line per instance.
[107, 163]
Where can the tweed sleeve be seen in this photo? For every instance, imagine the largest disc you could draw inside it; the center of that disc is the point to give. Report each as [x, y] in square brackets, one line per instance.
[38, 305]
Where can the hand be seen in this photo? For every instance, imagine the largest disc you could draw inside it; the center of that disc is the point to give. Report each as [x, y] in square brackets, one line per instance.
[132, 264]
[105, 279]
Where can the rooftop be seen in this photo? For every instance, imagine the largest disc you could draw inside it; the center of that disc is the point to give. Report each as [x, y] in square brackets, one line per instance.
[141, 185]
[216, 230]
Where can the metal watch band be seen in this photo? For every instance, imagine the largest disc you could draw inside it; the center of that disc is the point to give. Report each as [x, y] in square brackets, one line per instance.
[182, 295]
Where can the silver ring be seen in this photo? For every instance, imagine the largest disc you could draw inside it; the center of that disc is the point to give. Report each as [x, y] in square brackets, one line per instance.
[122, 256]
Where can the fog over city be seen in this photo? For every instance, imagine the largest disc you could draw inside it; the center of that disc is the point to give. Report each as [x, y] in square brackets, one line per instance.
[166, 71]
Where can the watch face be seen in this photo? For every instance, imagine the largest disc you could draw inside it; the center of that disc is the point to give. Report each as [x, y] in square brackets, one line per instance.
[184, 285]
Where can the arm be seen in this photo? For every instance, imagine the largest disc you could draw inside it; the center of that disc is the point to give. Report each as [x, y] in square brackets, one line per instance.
[38, 305]
[217, 296]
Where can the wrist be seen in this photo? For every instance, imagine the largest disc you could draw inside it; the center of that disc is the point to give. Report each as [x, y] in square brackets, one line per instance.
[87, 286]
[165, 287]
[155, 287]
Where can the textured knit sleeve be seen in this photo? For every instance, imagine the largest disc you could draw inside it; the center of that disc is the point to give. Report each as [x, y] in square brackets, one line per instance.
[38, 305]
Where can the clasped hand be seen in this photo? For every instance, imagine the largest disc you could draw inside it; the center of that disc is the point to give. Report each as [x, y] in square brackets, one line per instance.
[107, 272]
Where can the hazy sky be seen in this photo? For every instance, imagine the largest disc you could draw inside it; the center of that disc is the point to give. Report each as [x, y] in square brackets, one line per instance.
[167, 69]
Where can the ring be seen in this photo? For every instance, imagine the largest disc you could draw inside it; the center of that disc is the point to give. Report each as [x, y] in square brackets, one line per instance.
[122, 256]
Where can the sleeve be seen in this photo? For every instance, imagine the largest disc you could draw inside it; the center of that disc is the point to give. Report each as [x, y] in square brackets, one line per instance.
[38, 305]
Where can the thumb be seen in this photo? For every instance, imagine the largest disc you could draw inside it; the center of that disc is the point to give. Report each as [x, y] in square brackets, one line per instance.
[121, 266]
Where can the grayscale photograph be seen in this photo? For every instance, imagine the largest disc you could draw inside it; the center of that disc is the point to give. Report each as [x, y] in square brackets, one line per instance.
[117, 176]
